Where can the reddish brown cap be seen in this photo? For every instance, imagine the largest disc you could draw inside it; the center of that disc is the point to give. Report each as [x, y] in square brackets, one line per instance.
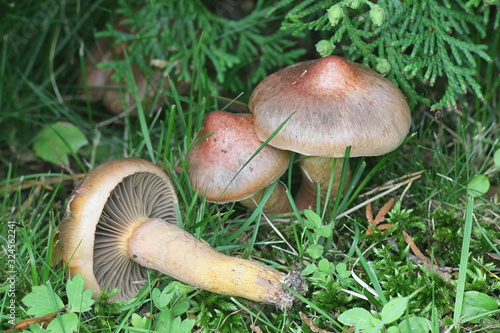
[216, 160]
[335, 103]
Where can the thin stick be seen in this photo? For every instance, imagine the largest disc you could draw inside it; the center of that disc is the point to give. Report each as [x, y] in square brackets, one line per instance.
[277, 231]
[405, 190]
[361, 205]
[63, 164]
[390, 183]
[45, 183]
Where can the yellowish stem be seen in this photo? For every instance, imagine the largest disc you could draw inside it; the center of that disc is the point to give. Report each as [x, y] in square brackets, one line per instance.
[276, 204]
[317, 170]
[171, 250]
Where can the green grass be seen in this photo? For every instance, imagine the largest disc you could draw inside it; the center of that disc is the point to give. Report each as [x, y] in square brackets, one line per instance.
[446, 225]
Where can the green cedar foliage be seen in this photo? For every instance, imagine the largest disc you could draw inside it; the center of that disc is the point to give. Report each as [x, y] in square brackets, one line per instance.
[192, 37]
[424, 42]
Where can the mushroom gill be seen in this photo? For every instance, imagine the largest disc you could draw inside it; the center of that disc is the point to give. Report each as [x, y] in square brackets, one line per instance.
[136, 199]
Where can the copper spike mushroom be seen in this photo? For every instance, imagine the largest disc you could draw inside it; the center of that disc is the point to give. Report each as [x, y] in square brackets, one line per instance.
[121, 221]
[101, 87]
[217, 163]
[335, 103]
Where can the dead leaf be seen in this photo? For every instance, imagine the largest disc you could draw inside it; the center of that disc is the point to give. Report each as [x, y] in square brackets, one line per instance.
[43, 321]
[255, 329]
[312, 326]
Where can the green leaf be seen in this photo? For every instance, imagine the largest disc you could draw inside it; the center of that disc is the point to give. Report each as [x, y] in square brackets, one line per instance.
[66, 138]
[138, 321]
[64, 323]
[315, 251]
[479, 185]
[161, 299]
[313, 220]
[496, 157]
[187, 325]
[41, 301]
[175, 325]
[325, 231]
[357, 317]
[394, 309]
[181, 288]
[448, 321]
[324, 266]
[180, 308]
[311, 268]
[319, 275]
[393, 329]
[374, 321]
[80, 300]
[476, 303]
[342, 270]
[415, 325]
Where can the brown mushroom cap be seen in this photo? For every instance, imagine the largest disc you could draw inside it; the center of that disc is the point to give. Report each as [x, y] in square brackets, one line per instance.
[336, 103]
[96, 78]
[217, 159]
[111, 202]
[148, 89]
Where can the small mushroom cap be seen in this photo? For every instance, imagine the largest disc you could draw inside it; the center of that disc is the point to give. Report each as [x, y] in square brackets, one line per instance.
[102, 213]
[335, 103]
[147, 87]
[216, 160]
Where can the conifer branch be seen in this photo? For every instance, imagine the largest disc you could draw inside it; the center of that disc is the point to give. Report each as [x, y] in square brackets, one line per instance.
[178, 30]
[419, 42]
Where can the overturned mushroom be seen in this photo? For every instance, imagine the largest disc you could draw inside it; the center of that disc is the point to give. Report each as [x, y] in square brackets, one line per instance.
[121, 221]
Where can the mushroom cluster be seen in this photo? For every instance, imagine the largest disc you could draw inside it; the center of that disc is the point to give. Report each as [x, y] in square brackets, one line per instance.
[322, 106]
[121, 221]
[332, 103]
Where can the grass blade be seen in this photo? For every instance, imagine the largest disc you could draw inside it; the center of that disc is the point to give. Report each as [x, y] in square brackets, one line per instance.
[464, 257]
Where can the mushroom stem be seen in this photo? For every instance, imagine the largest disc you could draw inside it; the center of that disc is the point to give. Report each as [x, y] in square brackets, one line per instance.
[318, 170]
[173, 251]
[276, 204]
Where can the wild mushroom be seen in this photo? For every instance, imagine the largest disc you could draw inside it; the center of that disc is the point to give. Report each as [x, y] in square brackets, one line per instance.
[96, 78]
[148, 91]
[102, 87]
[335, 103]
[217, 163]
[121, 221]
